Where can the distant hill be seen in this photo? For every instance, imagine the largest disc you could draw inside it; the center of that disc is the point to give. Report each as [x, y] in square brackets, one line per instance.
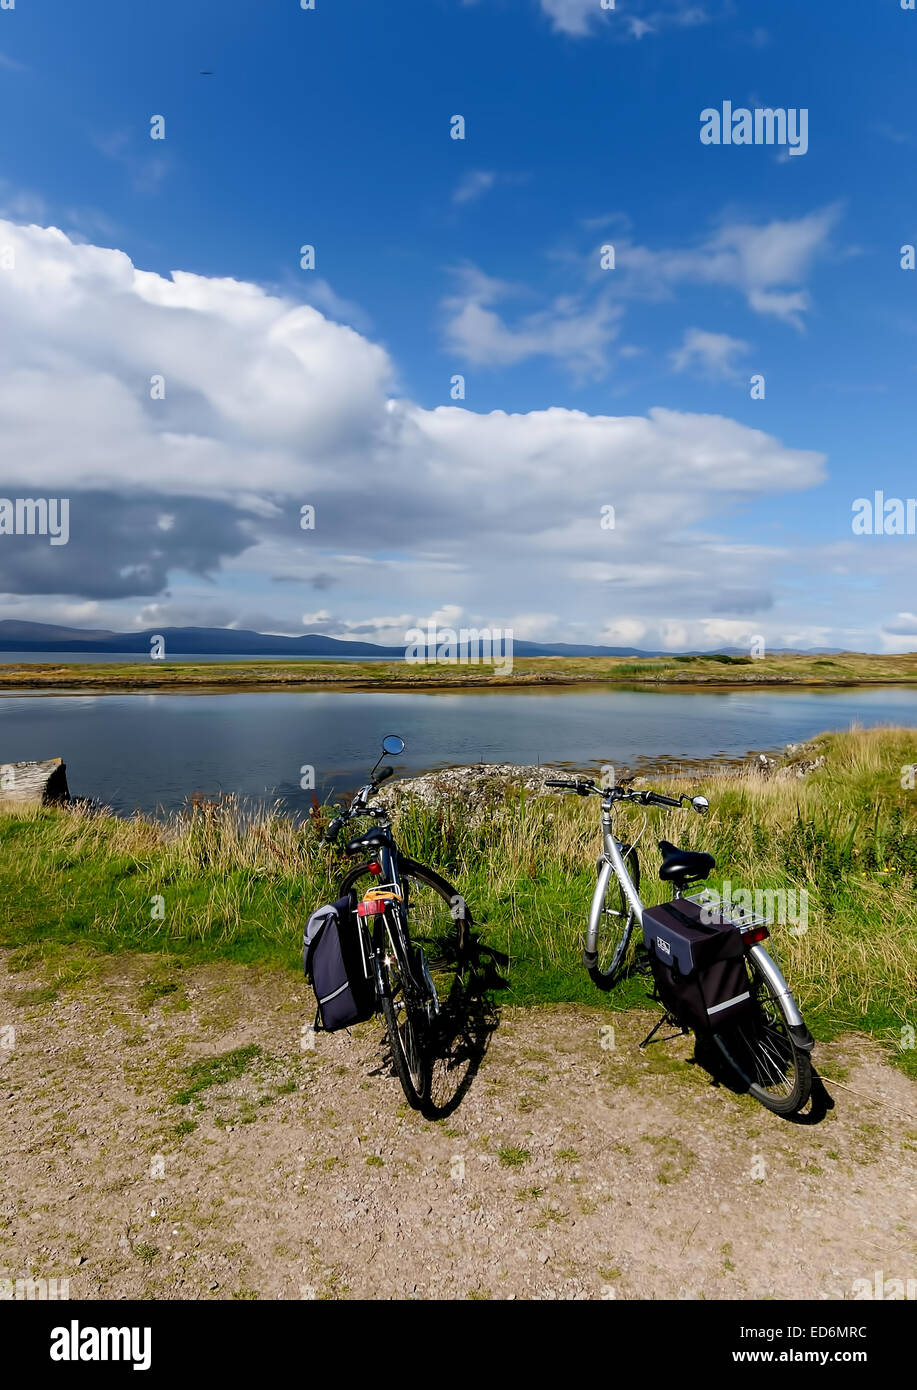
[226, 641]
[185, 641]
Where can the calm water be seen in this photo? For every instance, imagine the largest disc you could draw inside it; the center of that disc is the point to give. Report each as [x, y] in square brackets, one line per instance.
[143, 751]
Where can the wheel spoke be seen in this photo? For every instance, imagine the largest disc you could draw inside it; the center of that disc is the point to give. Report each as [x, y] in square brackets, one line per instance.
[762, 1052]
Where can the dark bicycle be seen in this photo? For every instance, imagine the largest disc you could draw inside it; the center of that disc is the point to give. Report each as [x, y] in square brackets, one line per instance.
[415, 934]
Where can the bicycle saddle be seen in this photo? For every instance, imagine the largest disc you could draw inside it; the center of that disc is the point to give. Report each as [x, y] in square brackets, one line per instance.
[683, 864]
[370, 839]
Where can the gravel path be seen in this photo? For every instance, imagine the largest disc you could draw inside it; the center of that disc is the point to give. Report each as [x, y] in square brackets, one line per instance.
[169, 1133]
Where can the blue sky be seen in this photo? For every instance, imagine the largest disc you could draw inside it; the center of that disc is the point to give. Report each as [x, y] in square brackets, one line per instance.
[478, 257]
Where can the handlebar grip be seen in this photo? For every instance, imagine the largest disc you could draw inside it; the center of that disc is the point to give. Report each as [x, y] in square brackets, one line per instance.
[333, 831]
[581, 788]
[657, 799]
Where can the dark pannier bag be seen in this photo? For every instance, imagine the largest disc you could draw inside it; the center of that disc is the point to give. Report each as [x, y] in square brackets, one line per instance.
[333, 959]
[698, 965]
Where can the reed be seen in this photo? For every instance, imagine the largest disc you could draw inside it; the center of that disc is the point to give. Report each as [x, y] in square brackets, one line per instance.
[230, 883]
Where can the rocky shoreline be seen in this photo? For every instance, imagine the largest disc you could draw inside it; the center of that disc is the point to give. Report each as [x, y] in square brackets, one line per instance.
[483, 786]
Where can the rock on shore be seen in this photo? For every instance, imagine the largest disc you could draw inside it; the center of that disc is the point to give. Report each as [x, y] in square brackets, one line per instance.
[483, 786]
[480, 786]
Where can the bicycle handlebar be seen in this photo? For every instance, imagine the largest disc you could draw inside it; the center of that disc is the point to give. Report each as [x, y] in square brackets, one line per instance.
[583, 787]
[358, 807]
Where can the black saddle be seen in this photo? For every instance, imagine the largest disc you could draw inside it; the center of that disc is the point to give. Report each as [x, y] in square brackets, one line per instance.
[682, 865]
[377, 838]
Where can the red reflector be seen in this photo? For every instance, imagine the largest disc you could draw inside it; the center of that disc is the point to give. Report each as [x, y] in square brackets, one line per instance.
[754, 934]
[375, 868]
[370, 909]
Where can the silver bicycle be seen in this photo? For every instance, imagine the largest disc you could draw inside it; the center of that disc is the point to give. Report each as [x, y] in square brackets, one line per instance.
[770, 1049]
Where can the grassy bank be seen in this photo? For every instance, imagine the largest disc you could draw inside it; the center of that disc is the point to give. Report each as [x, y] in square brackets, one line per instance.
[75, 886]
[848, 668]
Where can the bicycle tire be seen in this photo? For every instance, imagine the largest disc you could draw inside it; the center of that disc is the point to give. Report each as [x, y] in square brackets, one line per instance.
[460, 914]
[612, 960]
[406, 1030]
[762, 1049]
[445, 939]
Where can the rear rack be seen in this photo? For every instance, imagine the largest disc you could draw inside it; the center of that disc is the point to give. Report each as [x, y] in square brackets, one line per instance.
[735, 917]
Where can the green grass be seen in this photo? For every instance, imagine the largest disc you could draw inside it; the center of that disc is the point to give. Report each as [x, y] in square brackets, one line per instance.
[846, 668]
[77, 887]
[512, 1157]
[216, 1071]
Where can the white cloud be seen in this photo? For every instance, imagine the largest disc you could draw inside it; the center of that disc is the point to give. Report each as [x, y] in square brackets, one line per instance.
[709, 354]
[767, 263]
[270, 405]
[473, 185]
[570, 330]
[580, 18]
[332, 305]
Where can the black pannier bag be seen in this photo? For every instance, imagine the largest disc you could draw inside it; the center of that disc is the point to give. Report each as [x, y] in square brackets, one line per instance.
[333, 959]
[698, 965]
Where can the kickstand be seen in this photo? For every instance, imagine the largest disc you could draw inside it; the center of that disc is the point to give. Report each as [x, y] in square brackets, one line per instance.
[666, 1018]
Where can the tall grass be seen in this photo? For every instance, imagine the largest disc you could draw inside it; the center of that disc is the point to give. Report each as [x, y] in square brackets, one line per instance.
[240, 886]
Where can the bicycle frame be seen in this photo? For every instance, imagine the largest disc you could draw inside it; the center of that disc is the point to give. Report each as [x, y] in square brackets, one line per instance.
[612, 862]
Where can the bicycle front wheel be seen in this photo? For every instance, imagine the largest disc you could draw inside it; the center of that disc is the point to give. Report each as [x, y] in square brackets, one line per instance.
[614, 955]
[406, 1014]
[764, 1053]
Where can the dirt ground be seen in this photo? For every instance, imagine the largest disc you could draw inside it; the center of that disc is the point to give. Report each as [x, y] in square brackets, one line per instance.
[170, 1133]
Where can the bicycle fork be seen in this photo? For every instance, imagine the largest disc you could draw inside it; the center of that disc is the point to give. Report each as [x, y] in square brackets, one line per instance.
[398, 945]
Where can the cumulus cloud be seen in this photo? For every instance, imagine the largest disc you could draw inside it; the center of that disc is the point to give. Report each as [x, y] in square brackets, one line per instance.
[192, 503]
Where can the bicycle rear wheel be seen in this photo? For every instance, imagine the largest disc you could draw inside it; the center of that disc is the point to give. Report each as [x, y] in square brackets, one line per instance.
[615, 945]
[764, 1053]
[439, 919]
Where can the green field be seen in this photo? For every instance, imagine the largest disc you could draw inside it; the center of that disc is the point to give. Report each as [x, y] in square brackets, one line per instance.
[848, 668]
[76, 887]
